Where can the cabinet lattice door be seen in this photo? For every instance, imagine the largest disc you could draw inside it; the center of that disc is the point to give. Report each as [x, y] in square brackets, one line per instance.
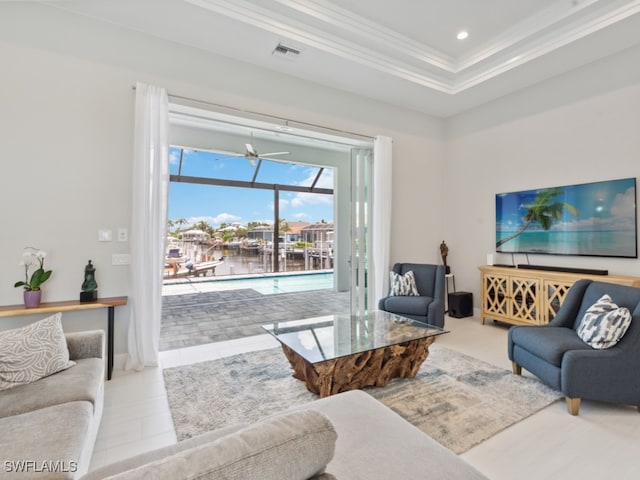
[524, 299]
[555, 293]
[495, 295]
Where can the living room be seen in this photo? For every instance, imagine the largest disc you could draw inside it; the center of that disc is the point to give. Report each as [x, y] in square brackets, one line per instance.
[67, 122]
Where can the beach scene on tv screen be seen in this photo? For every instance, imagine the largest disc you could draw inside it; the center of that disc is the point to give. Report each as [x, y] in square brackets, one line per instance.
[596, 219]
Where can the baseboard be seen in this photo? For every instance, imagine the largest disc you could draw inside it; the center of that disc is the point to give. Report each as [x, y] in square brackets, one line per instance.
[119, 361]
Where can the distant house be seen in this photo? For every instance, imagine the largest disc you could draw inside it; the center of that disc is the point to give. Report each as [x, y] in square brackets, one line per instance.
[321, 232]
[195, 236]
[261, 232]
[265, 232]
[294, 234]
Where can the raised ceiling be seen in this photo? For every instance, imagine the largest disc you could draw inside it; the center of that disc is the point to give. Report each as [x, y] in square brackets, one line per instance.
[402, 52]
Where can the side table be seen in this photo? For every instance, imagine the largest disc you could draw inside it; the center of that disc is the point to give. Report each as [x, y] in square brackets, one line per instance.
[447, 277]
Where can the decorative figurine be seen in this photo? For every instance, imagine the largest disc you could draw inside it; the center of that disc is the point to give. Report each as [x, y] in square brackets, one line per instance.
[89, 286]
[444, 251]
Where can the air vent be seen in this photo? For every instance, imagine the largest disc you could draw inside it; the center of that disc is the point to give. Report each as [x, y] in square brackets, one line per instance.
[282, 50]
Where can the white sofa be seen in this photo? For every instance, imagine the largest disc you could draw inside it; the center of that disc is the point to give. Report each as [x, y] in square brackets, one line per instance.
[48, 427]
[348, 436]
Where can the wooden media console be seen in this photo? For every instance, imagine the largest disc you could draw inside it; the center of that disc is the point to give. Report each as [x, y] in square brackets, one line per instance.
[530, 297]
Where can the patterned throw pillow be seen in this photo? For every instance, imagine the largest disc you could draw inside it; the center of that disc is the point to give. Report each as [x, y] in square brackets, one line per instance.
[604, 323]
[30, 353]
[403, 285]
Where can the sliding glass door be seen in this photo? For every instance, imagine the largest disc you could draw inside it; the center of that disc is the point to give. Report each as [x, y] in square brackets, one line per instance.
[361, 241]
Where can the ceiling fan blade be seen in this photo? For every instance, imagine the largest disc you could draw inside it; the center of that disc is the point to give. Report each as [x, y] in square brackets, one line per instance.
[237, 155]
[274, 153]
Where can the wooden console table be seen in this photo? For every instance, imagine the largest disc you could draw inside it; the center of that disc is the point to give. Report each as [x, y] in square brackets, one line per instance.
[531, 297]
[70, 306]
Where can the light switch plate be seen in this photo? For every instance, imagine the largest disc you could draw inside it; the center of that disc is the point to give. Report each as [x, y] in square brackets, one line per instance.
[104, 235]
[120, 259]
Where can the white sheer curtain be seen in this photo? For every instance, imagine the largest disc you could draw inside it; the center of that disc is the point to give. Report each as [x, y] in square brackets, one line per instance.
[381, 225]
[148, 223]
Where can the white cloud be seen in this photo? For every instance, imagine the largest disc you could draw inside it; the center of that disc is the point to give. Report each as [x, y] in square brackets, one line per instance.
[622, 217]
[174, 155]
[326, 181]
[214, 221]
[301, 199]
[226, 218]
[624, 205]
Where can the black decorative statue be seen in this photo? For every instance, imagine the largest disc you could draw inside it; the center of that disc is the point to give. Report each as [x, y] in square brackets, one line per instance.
[89, 291]
[444, 251]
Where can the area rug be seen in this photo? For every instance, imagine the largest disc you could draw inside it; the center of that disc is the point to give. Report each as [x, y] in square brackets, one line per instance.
[456, 399]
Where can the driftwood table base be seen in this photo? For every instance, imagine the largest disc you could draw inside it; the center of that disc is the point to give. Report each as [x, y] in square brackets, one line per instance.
[371, 368]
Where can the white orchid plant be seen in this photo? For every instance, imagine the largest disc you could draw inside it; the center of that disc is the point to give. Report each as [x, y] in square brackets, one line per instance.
[33, 257]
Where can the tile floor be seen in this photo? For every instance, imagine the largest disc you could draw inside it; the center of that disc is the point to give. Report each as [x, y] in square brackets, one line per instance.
[603, 441]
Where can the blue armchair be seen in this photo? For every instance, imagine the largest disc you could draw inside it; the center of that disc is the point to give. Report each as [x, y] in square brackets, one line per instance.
[428, 307]
[556, 354]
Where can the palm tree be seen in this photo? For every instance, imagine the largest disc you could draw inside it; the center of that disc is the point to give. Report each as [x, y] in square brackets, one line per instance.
[227, 236]
[178, 226]
[205, 227]
[543, 212]
[283, 226]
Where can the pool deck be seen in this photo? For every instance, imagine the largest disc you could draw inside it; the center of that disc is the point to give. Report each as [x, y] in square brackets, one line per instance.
[200, 312]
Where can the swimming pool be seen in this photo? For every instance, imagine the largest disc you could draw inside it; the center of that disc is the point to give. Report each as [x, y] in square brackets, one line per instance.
[266, 285]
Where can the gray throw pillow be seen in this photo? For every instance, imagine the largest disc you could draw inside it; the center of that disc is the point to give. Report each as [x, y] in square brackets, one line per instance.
[30, 353]
[604, 323]
[292, 446]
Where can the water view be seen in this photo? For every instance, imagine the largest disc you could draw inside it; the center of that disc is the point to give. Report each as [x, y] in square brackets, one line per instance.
[223, 225]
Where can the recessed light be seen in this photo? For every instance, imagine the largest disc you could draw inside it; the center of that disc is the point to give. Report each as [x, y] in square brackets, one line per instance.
[462, 35]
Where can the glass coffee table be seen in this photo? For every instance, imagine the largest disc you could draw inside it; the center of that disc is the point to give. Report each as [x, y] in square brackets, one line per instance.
[335, 353]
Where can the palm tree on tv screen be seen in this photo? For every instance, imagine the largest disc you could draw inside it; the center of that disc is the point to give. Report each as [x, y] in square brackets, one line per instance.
[543, 211]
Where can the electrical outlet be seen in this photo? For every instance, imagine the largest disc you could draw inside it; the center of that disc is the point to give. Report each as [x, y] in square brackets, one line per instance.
[120, 259]
[123, 235]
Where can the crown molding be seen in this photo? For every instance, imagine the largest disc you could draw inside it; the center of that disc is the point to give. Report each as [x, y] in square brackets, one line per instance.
[556, 26]
[373, 32]
[522, 31]
[570, 33]
[280, 25]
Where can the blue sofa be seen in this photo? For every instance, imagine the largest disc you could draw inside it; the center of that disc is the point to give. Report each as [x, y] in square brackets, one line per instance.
[428, 307]
[556, 354]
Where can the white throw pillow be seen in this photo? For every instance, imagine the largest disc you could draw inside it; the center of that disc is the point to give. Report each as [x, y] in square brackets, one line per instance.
[30, 353]
[604, 323]
[403, 285]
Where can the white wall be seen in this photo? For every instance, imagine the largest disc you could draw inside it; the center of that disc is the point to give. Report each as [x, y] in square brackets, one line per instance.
[580, 127]
[66, 121]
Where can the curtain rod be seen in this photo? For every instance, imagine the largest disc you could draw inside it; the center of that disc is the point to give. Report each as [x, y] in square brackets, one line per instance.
[267, 115]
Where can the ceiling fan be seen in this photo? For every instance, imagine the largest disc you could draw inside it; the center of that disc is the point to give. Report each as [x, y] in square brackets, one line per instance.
[252, 154]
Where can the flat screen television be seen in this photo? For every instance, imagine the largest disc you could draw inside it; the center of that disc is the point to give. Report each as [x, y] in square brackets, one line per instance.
[594, 219]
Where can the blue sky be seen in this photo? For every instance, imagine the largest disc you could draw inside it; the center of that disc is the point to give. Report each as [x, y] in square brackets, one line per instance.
[217, 205]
